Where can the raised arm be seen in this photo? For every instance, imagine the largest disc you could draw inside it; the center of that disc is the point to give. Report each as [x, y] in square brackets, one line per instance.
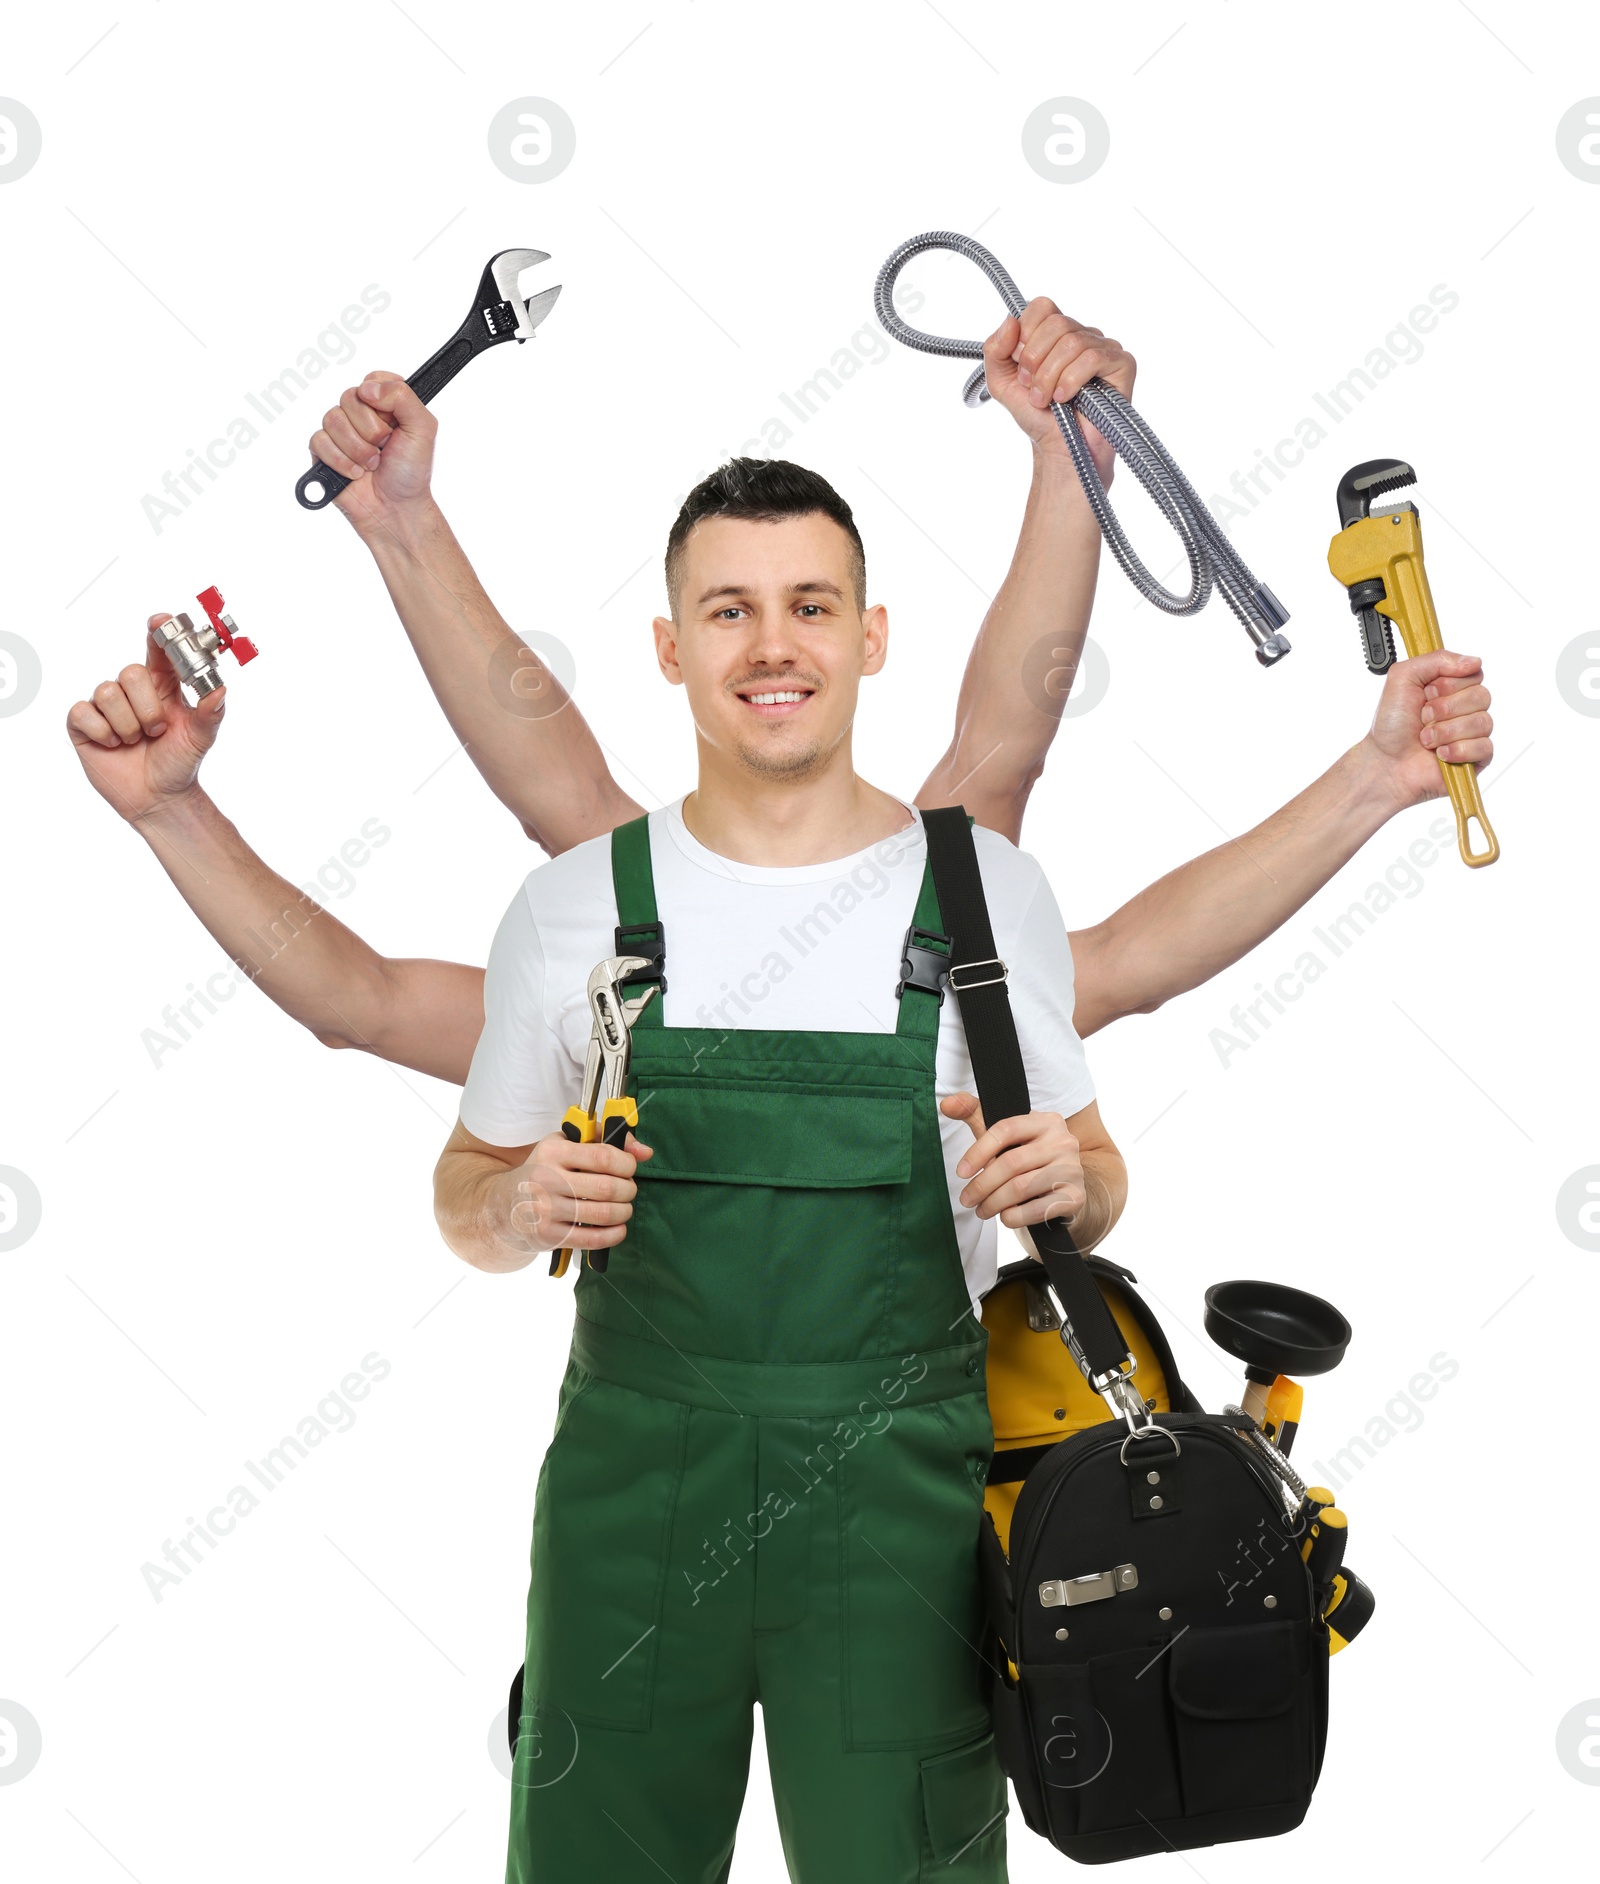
[520, 727]
[1027, 651]
[141, 746]
[1202, 917]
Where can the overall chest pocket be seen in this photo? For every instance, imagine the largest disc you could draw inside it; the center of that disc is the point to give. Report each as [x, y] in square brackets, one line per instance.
[786, 1133]
[769, 1222]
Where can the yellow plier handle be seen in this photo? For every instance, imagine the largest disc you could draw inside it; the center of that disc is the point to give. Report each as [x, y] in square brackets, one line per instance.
[618, 1117]
[580, 1127]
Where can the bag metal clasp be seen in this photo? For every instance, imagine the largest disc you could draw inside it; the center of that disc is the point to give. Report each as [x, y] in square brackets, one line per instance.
[1070, 1592]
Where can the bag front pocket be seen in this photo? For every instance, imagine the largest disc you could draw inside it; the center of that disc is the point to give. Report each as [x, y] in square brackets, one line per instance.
[601, 1525]
[1139, 1779]
[1102, 1735]
[1242, 1701]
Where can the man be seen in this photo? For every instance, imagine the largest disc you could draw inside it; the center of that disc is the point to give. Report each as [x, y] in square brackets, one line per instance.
[768, 1472]
[142, 746]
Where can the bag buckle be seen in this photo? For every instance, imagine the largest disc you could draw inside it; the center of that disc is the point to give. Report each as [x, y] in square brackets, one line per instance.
[924, 962]
[1124, 1398]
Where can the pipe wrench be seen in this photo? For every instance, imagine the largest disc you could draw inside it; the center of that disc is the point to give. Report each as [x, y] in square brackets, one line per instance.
[498, 313]
[1377, 555]
[606, 1113]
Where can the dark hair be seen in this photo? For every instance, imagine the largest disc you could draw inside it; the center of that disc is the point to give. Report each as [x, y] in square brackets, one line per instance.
[762, 490]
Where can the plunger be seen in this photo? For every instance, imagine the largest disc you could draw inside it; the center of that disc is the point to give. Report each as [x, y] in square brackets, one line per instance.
[1276, 1331]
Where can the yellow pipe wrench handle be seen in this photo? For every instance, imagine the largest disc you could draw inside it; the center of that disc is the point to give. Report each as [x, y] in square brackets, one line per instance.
[580, 1127]
[1409, 605]
[1390, 546]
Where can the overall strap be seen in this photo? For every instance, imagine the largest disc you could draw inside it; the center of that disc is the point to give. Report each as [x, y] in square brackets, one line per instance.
[639, 929]
[979, 979]
[924, 966]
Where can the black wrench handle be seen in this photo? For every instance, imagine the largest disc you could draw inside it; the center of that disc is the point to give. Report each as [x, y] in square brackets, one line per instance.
[429, 379]
[327, 484]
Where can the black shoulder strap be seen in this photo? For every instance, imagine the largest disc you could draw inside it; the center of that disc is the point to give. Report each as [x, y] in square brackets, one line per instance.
[979, 979]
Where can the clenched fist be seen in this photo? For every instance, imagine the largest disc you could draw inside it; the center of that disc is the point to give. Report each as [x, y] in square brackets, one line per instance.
[1046, 355]
[1434, 707]
[380, 436]
[567, 1196]
[138, 739]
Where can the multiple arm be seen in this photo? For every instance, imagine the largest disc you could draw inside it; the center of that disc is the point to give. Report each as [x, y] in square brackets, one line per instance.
[1201, 918]
[1003, 731]
[530, 742]
[520, 727]
[419, 1013]
[141, 746]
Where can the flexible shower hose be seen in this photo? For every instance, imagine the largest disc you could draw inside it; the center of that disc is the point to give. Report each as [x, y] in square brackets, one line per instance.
[1213, 561]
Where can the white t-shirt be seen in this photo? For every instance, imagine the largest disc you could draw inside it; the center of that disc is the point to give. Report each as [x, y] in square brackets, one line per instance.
[815, 947]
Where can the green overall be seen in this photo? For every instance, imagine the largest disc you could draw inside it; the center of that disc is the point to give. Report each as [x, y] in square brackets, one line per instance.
[766, 1478]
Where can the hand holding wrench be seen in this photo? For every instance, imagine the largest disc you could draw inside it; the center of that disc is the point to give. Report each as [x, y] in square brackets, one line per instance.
[1377, 555]
[498, 313]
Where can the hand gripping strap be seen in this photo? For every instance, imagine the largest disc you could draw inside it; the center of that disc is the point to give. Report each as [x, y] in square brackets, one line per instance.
[979, 981]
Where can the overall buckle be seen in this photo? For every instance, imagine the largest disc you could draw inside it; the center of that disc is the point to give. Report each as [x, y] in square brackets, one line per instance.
[924, 962]
[648, 939]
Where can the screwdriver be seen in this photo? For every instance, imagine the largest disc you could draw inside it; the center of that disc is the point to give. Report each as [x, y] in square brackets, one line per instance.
[1316, 1500]
[1324, 1550]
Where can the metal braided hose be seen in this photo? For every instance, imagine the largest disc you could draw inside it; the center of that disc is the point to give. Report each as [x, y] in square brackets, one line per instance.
[1213, 561]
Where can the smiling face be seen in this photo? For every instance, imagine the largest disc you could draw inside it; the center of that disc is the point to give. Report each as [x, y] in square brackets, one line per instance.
[770, 642]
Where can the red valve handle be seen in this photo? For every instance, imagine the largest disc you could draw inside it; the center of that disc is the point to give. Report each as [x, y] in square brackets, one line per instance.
[237, 644]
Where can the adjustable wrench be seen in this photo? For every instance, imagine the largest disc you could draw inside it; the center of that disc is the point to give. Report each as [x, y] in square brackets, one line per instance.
[605, 1112]
[498, 313]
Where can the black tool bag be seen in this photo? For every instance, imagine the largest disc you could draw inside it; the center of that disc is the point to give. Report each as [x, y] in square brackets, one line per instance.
[1159, 1672]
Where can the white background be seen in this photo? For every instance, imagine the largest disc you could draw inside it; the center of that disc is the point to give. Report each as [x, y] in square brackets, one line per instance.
[232, 1230]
